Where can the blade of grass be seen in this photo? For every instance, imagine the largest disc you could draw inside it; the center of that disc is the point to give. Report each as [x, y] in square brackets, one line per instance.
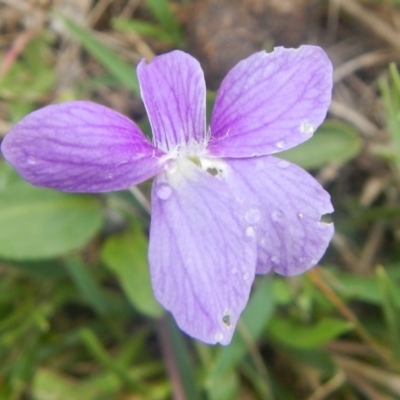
[111, 61]
[389, 309]
[178, 364]
[88, 286]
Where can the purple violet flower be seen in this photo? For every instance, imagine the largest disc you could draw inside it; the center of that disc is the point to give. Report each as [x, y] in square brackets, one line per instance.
[223, 208]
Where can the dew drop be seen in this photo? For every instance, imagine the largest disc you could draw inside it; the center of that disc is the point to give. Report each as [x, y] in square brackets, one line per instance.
[253, 215]
[250, 231]
[283, 164]
[32, 160]
[278, 216]
[234, 271]
[246, 276]
[275, 259]
[171, 167]
[218, 336]
[110, 175]
[164, 192]
[300, 215]
[307, 127]
[281, 144]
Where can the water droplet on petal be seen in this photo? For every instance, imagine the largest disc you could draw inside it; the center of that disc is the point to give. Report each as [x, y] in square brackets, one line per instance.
[218, 336]
[171, 167]
[307, 127]
[250, 231]
[110, 175]
[234, 270]
[283, 164]
[281, 144]
[253, 215]
[164, 192]
[275, 259]
[32, 160]
[278, 216]
[300, 215]
[246, 276]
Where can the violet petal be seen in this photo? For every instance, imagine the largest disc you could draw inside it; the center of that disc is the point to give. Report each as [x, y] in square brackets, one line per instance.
[271, 102]
[285, 205]
[202, 258]
[174, 93]
[80, 146]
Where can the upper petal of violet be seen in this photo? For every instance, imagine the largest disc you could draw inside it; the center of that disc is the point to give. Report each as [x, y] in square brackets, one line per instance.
[80, 146]
[271, 102]
[202, 252]
[174, 93]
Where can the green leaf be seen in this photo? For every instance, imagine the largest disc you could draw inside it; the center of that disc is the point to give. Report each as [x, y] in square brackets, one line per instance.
[126, 256]
[294, 334]
[40, 223]
[333, 142]
[49, 385]
[122, 71]
[364, 288]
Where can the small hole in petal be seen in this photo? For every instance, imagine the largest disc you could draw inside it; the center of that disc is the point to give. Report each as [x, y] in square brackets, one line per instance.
[213, 171]
[226, 319]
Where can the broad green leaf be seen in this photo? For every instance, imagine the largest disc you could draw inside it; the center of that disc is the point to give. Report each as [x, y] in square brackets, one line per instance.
[126, 256]
[363, 288]
[38, 223]
[297, 335]
[48, 384]
[333, 142]
[43, 269]
[253, 320]
[123, 72]
[226, 387]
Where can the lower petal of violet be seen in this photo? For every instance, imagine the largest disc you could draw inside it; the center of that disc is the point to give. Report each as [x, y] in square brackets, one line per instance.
[202, 254]
[80, 146]
[287, 205]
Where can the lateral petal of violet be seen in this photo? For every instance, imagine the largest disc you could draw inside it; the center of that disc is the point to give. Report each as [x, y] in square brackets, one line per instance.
[202, 257]
[174, 93]
[80, 146]
[287, 205]
[271, 102]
